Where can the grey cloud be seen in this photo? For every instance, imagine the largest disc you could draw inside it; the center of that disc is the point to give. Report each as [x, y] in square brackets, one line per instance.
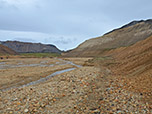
[64, 41]
[74, 18]
[24, 39]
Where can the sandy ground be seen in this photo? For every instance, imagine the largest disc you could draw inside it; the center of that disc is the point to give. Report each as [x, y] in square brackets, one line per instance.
[78, 60]
[85, 90]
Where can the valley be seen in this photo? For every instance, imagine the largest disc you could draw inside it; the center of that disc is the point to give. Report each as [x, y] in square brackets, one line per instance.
[110, 74]
[91, 88]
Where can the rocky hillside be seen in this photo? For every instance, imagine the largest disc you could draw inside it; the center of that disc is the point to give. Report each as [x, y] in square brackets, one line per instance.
[134, 63]
[133, 59]
[23, 47]
[6, 51]
[121, 37]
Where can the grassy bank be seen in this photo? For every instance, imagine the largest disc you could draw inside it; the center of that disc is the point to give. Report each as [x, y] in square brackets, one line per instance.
[40, 55]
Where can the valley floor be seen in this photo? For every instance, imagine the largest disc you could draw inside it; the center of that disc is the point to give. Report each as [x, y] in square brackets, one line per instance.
[19, 71]
[85, 90]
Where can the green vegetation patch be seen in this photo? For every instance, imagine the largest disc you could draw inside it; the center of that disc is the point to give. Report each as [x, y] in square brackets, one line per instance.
[40, 55]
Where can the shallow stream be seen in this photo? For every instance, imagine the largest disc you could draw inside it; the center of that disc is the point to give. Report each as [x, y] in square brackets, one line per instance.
[63, 62]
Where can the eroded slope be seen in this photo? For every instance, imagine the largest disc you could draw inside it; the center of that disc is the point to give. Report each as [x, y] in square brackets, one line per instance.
[134, 65]
[6, 51]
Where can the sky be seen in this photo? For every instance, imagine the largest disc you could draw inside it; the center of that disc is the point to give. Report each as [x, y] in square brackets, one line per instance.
[67, 23]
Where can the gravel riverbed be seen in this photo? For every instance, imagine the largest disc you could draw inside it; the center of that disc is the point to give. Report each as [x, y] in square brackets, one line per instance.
[82, 91]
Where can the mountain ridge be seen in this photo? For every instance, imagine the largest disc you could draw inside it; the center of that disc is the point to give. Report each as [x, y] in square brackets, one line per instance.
[124, 36]
[130, 24]
[28, 47]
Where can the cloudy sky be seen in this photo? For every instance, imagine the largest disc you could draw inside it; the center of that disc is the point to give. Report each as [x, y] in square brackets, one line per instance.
[67, 23]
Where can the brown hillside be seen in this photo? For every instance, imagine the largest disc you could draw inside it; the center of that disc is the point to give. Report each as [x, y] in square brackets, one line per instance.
[124, 36]
[134, 64]
[134, 56]
[6, 51]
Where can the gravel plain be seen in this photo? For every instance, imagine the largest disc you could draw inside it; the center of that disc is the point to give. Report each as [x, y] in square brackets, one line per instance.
[85, 90]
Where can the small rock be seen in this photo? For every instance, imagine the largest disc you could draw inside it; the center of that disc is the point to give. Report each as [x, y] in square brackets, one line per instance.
[119, 112]
[101, 98]
[14, 99]
[18, 103]
[26, 110]
[11, 112]
[42, 105]
[54, 100]
[112, 104]
[8, 108]
[97, 111]
[74, 91]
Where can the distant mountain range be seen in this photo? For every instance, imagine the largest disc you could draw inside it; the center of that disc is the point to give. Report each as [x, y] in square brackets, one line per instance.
[122, 37]
[24, 47]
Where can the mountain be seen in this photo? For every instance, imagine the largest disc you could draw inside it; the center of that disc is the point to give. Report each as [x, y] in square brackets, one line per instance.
[121, 37]
[6, 51]
[24, 47]
[134, 64]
